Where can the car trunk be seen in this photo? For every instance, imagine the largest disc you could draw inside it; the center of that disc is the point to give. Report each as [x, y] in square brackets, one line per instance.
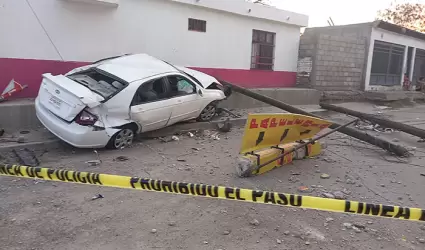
[66, 98]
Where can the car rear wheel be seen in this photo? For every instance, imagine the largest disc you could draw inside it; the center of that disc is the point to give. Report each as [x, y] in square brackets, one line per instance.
[207, 113]
[122, 139]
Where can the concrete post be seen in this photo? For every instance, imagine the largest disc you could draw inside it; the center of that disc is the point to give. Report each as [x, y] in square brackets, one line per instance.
[403, 69]
[412, 64]
[369, 63]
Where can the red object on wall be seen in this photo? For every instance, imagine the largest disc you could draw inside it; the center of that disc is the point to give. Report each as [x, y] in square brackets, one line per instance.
[29, 71]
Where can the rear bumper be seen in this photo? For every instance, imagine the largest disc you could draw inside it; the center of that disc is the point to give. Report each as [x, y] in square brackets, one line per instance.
[72, 133]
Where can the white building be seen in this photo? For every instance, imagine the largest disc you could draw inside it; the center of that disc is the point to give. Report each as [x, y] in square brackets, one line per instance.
[245, 43]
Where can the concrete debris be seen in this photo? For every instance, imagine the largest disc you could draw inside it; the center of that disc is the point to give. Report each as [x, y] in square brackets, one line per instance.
[225, 126]
[190, 134]
[356, 229]
[421, 240]
[293, 179]
[215, 136]
[325, 176]
[205, 242]
[98, 196]
[339, 195]
[328, 195]
[359, 225]
[254, 222]
[171, 223]
[154, 231]
[121, 158]
[175, 138]
[347, 225]
[350, 181]
[329, 219]
[278, 241]
[226, 232]
[307, 243]
[94, 162]
[286, 233]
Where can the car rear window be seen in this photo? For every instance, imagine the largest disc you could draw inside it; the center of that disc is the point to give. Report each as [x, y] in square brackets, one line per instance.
[99, 82]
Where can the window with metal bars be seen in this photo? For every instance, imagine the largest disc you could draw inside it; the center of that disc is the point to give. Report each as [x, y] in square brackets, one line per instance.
[387, 63]
[197, 25]
[262, 55]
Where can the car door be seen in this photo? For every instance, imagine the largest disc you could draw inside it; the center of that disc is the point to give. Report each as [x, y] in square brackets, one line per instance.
[151, 106]
[185, 94]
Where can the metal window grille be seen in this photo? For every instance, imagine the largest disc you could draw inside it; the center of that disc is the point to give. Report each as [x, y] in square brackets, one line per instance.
[387, 63]
[197, 25]
[262, 55]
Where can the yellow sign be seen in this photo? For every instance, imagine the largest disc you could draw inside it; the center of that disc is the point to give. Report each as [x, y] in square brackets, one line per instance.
[266, 130]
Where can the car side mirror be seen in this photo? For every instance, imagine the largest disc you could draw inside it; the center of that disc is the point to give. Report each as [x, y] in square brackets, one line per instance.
[200, 92]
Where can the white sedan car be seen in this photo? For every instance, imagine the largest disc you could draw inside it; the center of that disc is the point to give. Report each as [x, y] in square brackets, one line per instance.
[108, 102]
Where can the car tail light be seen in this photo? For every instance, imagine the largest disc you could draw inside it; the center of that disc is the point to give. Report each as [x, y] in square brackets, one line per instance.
[85, 118]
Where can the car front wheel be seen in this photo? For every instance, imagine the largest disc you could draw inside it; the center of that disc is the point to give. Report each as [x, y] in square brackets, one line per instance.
[122, 139]
[207, 113]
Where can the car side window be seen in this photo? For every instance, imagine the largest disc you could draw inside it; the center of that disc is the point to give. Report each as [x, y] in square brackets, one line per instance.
[180, 86]
[150, 91]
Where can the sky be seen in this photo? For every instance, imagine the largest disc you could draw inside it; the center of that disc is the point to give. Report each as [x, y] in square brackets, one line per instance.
[341, 11]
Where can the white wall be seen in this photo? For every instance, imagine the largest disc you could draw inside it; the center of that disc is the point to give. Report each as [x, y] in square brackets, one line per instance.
[390, 37]
[21, 36]
[87, 32]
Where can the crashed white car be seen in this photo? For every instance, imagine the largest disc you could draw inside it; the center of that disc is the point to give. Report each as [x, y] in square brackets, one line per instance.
[106, 103]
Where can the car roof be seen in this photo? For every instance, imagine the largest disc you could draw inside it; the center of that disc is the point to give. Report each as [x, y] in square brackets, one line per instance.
[131, 68]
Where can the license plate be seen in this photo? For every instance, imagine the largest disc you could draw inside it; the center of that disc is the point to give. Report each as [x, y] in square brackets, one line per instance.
[56, 102]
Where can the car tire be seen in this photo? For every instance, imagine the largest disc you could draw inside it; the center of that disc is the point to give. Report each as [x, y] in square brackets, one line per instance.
[207, 113]
[122, 139]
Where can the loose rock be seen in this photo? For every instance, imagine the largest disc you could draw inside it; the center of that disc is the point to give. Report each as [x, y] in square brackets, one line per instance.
[421, 240]
[171, 223]
[278, 241]
[254, 222]
[329, 219]
[328, 195]
[325, 176]
[339, 195]
[307, 243]
[360, 225]
[226, 232]
[154, 231]
[347, 225]
[286, 233]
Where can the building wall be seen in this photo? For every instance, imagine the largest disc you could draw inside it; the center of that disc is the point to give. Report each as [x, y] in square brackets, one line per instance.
[390, 37]
[58, 35]
[338, 54]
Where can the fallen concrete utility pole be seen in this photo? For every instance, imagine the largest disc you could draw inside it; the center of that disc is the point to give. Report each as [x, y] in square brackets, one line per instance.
[378, 120]
[384, 144]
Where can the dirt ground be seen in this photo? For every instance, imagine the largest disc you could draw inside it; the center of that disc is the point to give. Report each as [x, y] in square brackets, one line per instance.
[52, 215]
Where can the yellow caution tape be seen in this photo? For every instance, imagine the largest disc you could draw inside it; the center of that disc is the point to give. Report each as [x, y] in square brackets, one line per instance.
[228, 193]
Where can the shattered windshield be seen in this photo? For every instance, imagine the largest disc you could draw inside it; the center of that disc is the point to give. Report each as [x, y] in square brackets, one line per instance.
[99, 82]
